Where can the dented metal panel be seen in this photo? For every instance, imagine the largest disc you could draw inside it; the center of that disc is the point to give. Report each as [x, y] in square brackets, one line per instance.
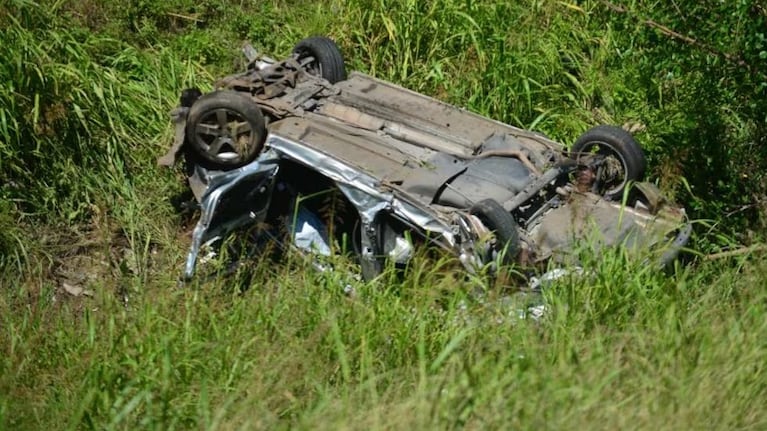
[368, 194]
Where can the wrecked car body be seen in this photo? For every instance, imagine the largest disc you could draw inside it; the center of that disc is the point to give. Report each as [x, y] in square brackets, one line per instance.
[408, 170]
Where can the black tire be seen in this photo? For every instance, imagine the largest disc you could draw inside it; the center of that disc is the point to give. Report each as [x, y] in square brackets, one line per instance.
[323, 56]
[502, 224]
[225, 130]
[614, 143]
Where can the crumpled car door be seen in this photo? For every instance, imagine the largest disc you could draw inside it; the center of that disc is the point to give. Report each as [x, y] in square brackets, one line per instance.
[231, 199]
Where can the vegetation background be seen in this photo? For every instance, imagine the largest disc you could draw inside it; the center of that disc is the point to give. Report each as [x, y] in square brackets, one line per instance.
[94, 333]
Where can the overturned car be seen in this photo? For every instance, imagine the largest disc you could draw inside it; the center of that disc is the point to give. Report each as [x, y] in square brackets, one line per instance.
[269, 143]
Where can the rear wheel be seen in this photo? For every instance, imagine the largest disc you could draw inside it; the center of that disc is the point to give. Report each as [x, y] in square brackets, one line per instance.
[225, 130]
[320, 56]
[616, 156]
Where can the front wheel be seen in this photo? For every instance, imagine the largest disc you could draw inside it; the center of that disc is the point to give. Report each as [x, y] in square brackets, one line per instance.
[615, 157]
[225, 130]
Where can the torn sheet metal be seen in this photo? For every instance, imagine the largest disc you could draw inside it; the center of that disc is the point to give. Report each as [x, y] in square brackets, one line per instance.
[364, 191]
[217, 219]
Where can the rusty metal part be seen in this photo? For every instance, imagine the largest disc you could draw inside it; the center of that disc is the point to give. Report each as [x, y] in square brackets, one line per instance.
[178, 117]
[508, 153]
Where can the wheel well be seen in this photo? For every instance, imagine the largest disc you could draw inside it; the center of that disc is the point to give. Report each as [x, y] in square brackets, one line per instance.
[297, 184]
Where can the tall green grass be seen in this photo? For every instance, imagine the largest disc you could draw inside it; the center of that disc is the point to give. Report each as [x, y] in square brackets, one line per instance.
[623, 347]
[81, 119]
[83, 115]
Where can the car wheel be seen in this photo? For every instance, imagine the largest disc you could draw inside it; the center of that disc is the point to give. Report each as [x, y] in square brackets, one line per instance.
[320, 56]
[225, 130]
[502, 224]
[622, 157]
